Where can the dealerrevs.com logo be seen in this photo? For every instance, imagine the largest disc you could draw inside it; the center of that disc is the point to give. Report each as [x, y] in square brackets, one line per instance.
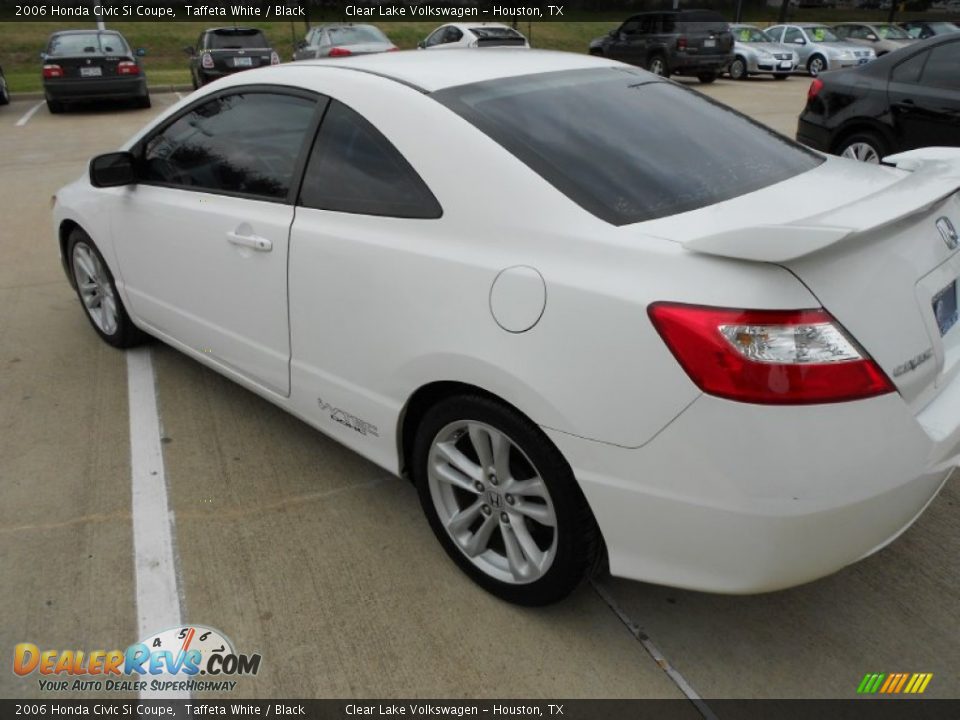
[193, 658]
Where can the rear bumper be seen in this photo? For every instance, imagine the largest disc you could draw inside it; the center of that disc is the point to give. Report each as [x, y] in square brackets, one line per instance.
[738, 498]
[693, 64]
[814, 136]
[95, 88]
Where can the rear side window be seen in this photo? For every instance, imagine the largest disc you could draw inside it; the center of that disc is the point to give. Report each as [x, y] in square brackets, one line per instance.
[245, 143]
[647, 149]
[353, 168]
[909, 70]
[943, 68]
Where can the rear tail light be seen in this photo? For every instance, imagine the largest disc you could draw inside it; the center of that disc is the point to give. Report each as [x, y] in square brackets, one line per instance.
[274, 58]
[339, 52]
[815, 87]
[128, 68]
[393, 49]
[681, 43]
[52, 71]
[206, 60]
[770, 357]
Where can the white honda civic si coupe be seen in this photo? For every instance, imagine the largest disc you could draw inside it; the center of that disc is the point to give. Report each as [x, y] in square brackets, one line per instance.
[592, 314]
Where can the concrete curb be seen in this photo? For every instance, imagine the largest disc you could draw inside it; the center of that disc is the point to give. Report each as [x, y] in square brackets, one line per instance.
[152, 88]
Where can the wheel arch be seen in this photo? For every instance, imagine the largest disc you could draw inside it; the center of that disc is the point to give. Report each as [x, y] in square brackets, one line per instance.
[66, 227]
[860, 124]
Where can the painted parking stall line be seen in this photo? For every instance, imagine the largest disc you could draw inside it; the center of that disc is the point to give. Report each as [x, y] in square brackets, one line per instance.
[158, 594]
[25, 118]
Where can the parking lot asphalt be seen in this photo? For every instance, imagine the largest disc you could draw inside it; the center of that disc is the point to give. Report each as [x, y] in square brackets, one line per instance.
[300, 550]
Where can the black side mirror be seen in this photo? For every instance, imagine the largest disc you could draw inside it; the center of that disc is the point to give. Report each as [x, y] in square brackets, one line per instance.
[301, 44]
[422, 44]
[189, 50]
[113, 170]
[141, 52]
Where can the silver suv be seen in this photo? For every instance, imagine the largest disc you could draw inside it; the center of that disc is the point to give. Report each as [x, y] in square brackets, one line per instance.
[819, 47]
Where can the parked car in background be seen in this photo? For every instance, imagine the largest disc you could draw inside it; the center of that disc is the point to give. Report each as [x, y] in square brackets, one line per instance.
[471, 35]
[341, 40]
[677, 42]
[86, 65]
[753, 429]
[819, 47]
[922, 29]
[4, 90]
[225, 50]
[755, 52]
[904, 100]
[883, 38]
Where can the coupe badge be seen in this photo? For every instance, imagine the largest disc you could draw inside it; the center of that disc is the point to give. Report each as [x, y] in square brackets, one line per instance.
[948, 232]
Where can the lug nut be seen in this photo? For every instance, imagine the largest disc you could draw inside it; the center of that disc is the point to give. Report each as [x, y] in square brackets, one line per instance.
[479, 486]
[485, 509]
[504, 517]
[493, 479]
[510, 500]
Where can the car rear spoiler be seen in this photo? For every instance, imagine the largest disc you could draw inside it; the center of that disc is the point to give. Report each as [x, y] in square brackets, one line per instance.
[934, 176]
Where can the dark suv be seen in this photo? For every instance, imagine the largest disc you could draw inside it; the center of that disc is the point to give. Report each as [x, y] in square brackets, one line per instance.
[677, 42]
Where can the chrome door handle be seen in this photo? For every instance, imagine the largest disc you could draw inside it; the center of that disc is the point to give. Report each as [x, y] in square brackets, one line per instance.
[254, 242]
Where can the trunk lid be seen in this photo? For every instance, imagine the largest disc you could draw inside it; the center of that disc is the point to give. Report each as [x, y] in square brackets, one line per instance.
[882, 259]
[89, 65]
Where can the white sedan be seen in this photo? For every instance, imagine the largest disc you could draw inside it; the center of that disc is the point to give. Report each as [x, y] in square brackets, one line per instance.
[633, 327]
[473, 35]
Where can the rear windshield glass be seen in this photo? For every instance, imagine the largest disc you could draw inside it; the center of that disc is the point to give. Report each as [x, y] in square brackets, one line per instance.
[85, 43]
[625, 147]
[496, 33]
[356, 35]
[236, 39]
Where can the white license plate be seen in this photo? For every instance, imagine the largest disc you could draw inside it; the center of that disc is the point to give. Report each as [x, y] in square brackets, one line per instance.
[709, 42]
[863, 61]
[786, 65]
[945, 308]
[242, 62]
[91, 72]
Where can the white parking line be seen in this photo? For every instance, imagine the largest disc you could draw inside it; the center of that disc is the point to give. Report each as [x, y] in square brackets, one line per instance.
[29, 114]
[158, 597]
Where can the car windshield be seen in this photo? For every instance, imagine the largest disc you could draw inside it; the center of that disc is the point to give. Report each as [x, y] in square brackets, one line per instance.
[821, 33]
[356, 34]
[84, 43]
[649, 149]
[944, 27]
[237, 39]
[891, 32]
[751, 35]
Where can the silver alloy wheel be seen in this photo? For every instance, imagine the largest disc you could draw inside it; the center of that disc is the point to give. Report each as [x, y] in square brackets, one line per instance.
[816, 66]
[95, 288]
[862, 151]
[738, 69]
[657, 66]
[492, 501]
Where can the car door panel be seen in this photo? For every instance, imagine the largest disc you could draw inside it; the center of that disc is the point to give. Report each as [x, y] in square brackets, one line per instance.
[924, 97]
[202, 239]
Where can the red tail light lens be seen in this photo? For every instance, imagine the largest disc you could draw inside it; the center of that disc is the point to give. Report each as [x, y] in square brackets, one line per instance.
[274, 58]
[339, 52]
[52, 71]
[770, 357]
[815, 87]
[206, 60]
[393, 49]
[128, 68]
[681, 43]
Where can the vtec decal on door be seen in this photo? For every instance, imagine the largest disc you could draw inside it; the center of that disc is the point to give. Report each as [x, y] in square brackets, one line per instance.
[350, 421]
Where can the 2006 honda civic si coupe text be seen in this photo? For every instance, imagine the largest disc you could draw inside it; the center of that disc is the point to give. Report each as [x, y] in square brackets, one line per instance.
[590, 312]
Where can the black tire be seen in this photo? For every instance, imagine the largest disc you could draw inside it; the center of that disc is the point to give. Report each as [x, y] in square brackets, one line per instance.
[816, 65]
[576, 536]
[706, 78]
[4, 93]
[193, 80]
[781, 76]
[864, 138]
[55, 107]
[596, 52]
[144, 101]
[738, 69]
[126, 333]
[657, 64]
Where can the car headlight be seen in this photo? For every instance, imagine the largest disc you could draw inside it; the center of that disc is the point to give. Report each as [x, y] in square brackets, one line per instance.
[846, 55]
[764, 54]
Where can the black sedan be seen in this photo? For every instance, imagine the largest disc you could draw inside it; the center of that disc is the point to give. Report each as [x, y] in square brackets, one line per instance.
[904, 100]
[81, 65]
[226, 50]
[4, 92]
